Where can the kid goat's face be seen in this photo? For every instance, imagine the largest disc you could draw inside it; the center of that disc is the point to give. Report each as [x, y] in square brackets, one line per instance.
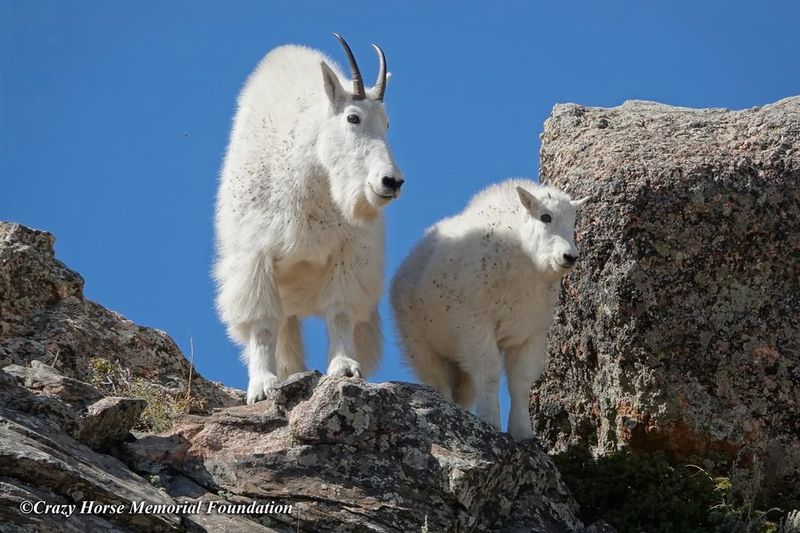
[547, 233]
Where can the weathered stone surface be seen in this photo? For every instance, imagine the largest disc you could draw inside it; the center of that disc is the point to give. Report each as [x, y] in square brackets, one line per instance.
[109, 420]
[44, 317]
[69, 404]
[46, 408]
[37, 458]
[678, 330]
[791, 524]
[51, 382]
[349, 455]
[601, 526]
[346, 455]
[184, 489]
[40, 461]
[13, 492]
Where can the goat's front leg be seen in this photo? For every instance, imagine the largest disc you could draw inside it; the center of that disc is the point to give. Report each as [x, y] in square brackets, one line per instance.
[341, 344]
[480, 358]
[262, 365]
[487, 382]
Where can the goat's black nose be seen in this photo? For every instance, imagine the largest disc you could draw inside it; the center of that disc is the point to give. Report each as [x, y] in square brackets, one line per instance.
[570, 259]
[390, 182]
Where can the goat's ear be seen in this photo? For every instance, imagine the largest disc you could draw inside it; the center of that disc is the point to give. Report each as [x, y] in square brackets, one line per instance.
[577, 203]
[333, 89]
[527, 200]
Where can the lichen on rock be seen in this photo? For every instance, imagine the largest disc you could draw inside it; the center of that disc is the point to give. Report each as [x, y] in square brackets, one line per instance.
[45, 317]
[352, 455]
[678, 329]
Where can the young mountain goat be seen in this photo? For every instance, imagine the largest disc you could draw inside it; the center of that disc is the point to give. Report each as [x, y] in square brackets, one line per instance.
[298, 223]
[485, 282]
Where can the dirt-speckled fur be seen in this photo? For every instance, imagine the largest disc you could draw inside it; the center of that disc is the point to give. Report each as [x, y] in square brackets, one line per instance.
[298, 223]
[481, 284]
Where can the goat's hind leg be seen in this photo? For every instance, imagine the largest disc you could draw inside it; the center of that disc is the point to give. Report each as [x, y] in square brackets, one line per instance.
[432, 368]
[290, 352]
[464, 389]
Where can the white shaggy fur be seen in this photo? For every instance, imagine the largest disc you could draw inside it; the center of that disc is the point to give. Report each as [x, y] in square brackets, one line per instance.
[298, 223]
[481, 284]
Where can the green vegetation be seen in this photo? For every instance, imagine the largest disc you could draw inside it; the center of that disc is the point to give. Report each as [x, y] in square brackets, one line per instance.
[163, 405]
[645, 492]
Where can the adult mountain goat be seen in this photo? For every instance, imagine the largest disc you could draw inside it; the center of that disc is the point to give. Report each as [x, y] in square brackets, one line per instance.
[482, 283]
[298, 223]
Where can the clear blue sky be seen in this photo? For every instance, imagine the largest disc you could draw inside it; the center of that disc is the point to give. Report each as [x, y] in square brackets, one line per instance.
[114, 116]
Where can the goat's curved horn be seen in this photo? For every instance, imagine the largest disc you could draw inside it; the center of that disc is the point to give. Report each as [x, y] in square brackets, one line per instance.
[380, 84]
[358, 83]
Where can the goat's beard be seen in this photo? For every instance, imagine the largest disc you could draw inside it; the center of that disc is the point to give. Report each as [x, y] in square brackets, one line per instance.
[354, 204]
[364, 210]
[545, 264]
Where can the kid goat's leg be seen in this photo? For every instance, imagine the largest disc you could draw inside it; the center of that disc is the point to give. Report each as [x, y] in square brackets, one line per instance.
[524, 365]
[481, 360]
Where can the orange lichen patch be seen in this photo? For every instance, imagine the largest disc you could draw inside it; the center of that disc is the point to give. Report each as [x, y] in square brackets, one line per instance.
[682, 400]
[594, 409]
[765, 356]
[571, 290]
[753, 430]
[640, 431]
[565, 348]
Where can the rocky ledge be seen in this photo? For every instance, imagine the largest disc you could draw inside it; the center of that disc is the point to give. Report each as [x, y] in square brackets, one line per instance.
[344, 454]
[350, 455]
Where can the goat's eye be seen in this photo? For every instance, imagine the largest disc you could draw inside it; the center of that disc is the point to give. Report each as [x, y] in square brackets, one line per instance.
[546, 218]
[353, 119]
[387, 125]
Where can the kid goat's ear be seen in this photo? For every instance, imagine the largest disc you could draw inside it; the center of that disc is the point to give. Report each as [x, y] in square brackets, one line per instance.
[578, 203]
[527, 200]
[333, 89]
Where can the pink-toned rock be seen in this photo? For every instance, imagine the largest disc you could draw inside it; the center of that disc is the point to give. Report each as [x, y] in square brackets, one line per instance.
[109, 421]
[354, 456]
